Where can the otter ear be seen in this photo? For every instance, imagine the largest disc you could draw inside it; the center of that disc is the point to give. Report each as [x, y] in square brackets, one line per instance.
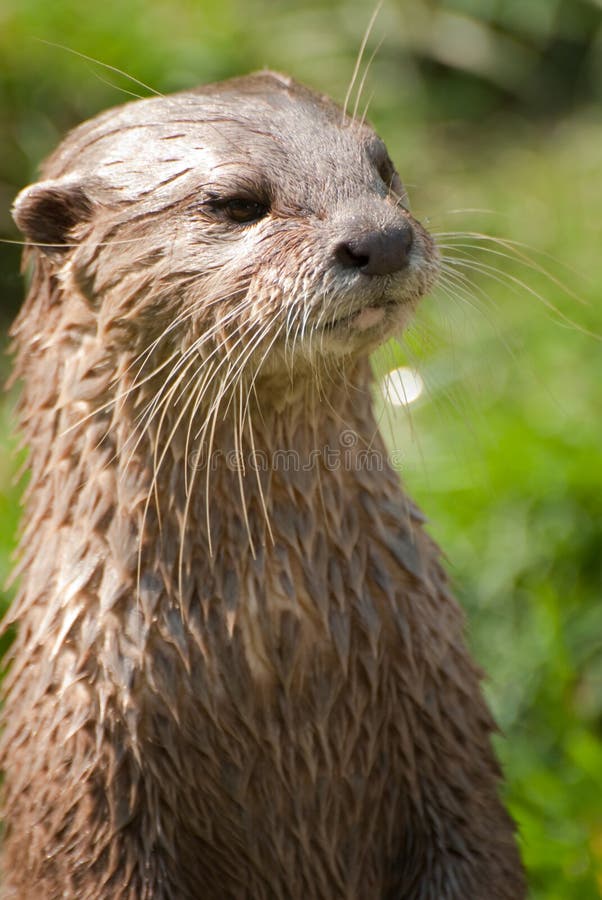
[47, 211]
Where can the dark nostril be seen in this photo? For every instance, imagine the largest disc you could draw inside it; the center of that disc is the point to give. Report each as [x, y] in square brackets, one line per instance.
[350, 258]
[379, 252]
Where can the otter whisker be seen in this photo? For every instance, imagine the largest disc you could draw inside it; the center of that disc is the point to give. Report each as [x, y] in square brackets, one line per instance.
[260, 363]
[143, 359]
[211, 424]
[517, 285]
[516, 252]
[181, 373]
[432, 393]
[245, 354]
[121, 398]
[386, 410]
[245, 414]
[66, 245]
[143, 421]
[187, 313]
[162, 412]
[292, 318]
[98, 62]
[367, 106]
[255, 457]
[164, 395]
[240, 464]
[462, 256]
[362, 83]
[360, 55]
[234, 372]
[250, 350]
[195, 399]
[182, 363]
[457, 285]
[200, 394]
[213, 409]
[459, 288]
[158, 460]
[211, 418]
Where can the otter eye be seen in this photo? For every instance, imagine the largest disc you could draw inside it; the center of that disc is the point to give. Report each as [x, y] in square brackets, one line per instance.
[386, 170]
[245, 211]
[236, 209]
[388, 174]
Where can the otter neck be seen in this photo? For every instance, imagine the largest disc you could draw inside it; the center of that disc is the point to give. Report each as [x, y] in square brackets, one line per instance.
[240, 473]
[162, 498]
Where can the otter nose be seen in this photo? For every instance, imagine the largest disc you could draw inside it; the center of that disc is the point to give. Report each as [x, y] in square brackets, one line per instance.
[379, 252]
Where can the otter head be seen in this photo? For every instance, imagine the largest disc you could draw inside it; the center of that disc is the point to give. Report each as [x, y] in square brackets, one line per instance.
[250, 220]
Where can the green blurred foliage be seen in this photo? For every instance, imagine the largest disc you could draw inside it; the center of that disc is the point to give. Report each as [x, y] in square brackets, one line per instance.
[488, 107]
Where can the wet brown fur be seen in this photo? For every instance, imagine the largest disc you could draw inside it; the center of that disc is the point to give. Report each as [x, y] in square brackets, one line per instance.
[229, 683]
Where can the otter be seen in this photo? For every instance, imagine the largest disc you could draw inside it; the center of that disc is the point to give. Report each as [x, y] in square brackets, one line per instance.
[239, 670]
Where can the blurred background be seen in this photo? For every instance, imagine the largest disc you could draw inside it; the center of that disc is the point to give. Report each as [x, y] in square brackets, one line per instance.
[492, 111]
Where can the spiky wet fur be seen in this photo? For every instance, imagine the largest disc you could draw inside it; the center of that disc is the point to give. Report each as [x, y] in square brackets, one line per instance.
[228, 682]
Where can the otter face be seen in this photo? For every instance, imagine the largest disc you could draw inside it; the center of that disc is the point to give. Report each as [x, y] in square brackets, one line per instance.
[249, 217]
